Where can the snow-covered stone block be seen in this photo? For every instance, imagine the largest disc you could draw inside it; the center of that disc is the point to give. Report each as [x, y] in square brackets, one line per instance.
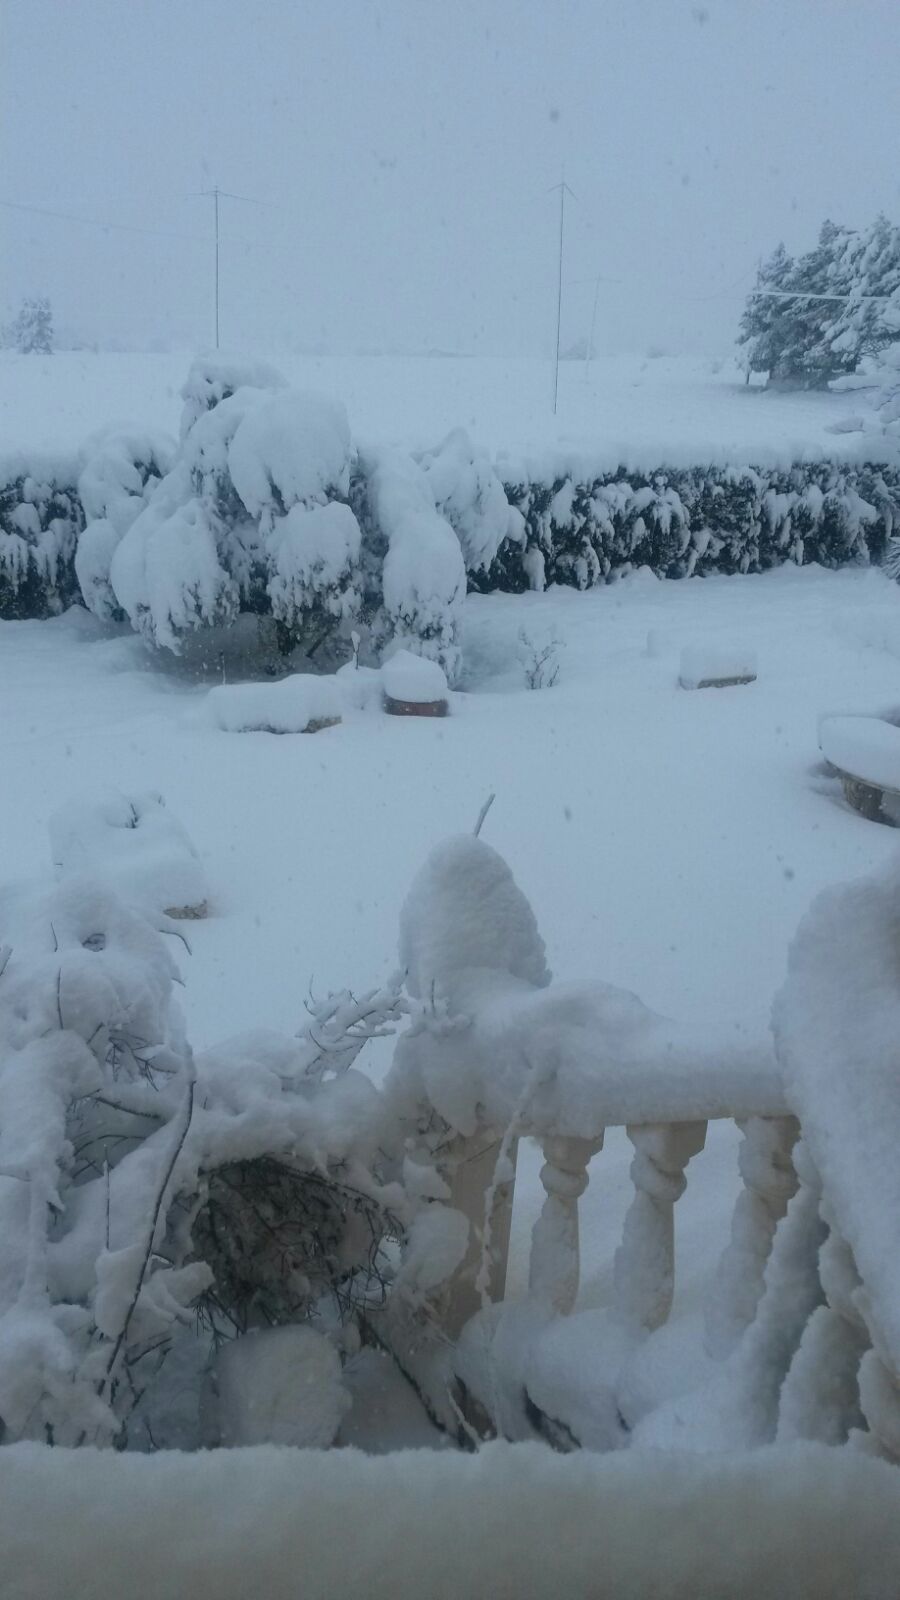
[414, 686]
[865, 752]
[302, 703]
[716, 667]
[133, 845]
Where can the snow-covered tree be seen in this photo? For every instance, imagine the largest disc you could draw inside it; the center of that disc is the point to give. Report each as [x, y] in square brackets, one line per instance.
[32, 330]
[253, 516]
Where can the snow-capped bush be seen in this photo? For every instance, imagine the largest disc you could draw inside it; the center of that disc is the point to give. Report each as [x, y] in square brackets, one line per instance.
[40, 518]
[155, 1208]
[681, 521]
[423, 575]
[252, 517]
[215, 375]
[468, 492]
[120, 469]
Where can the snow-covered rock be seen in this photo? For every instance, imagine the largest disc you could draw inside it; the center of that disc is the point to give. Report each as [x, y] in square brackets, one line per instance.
[866, 747]
[703, 665]
[302, 703]
[133, 845]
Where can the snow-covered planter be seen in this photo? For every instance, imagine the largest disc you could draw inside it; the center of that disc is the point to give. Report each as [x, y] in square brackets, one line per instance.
[134, 846]
[120, 468]
[301, 703]
[414, 686]
[40, 519]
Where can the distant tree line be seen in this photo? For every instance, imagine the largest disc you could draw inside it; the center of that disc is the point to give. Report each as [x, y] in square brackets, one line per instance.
[813, 318]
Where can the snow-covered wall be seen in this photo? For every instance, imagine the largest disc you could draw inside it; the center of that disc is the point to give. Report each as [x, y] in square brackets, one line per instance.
[515, 1522]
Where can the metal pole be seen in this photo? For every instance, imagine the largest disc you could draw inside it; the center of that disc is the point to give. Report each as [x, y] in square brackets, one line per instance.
[216, 202]
[562, 215]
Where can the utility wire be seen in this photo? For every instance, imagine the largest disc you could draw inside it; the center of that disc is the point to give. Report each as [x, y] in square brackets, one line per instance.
[94, 222]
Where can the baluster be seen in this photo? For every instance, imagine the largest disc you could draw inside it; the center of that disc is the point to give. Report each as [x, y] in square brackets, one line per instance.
[820, 1396]
[644, 1267]
[555, 1268]
[879, 1397]
[770, 1181]
[476, 1188]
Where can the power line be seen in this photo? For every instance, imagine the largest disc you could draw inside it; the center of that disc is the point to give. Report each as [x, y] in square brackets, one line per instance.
[214, 194]
[94, 222]
[564, 189]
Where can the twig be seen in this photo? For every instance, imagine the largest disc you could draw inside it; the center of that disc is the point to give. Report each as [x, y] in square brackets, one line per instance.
[123, 1332]
[483, 813]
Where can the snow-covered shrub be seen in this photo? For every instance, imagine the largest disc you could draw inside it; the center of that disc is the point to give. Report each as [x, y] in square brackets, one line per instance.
[156, 1207]
[120, 469]
[252, 517]
[134, 846]
[423, 576]
[681, 521]
[215, 375]
[468, 492]
[40, 519]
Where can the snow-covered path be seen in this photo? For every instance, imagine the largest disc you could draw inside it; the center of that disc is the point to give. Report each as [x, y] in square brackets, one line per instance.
[669, 841]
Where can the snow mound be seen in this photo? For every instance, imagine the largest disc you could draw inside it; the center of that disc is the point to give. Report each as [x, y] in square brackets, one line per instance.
[134, 846]
[414, 678]
[703, 664]
[280, 1386]
[302, 703]
[866, 747]
[465, 910]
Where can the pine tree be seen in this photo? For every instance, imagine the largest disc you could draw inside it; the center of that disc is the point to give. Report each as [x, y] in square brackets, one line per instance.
[33, 328]
[765, 322]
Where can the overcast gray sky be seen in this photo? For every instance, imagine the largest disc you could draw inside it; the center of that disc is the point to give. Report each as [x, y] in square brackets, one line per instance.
[406, 149]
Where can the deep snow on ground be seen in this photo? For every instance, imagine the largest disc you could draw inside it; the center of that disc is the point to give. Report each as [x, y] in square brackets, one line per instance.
[669, 840]
[634, 409]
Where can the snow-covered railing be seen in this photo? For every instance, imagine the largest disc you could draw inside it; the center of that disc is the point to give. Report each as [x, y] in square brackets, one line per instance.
[802, 1330]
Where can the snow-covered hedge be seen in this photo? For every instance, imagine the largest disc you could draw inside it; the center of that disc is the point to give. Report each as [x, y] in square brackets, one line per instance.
[40, 519]
[580, 530]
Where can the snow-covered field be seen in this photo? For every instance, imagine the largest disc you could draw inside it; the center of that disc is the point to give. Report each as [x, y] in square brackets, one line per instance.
[629, 408]
[669, 840]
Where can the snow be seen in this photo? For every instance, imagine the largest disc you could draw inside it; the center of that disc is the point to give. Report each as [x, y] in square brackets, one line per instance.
[621, 410]
[291, 445]
[805, 1521]
[866, 747]
[414, 678]
[280, 1386]
[215, 375]
[133, 845]
[702, 665]
[288, 705]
